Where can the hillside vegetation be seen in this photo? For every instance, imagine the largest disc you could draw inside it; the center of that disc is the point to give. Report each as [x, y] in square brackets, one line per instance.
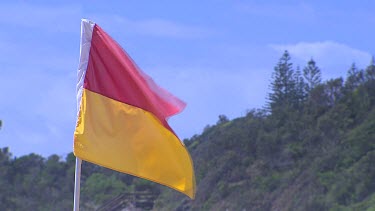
[312, 147]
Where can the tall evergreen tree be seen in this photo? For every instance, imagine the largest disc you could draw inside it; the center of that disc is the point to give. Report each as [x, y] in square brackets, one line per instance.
[354, 79]
[300, 92]
[370, 70]
[283, 84]
[333, 91]
[312, 75]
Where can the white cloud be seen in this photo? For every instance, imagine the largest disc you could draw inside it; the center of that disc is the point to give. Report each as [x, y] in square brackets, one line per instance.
[334, 58]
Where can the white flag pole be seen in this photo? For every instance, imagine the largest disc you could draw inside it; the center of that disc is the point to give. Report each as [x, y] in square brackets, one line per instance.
[87, 27]
[77, 184]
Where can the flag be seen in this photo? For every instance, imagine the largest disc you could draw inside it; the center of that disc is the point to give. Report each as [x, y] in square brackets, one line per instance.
[122, 116]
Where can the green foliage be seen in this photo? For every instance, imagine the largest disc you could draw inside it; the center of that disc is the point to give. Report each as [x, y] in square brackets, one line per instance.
[288, 87]
[311, 150]
[283, 84]
[99, 188]
[355, 78]
[222, 119]
[370, 71]
[312, 75]
[32, 182]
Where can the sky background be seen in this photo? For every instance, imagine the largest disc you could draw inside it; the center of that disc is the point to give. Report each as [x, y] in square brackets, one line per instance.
[217, 56]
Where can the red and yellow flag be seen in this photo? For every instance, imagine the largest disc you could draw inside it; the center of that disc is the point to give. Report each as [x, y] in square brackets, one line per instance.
[122, 116]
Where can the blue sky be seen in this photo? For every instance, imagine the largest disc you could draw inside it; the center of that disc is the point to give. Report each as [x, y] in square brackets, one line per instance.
[217, 56]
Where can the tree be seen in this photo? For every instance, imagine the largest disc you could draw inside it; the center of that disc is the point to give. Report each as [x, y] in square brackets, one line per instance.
[300, 92]
[5, 177]
[333, 91]
[370, 81]
[354, 79]
[99, 188]
[312, 75]
[283, 84]
[370, 71]
[222, 119]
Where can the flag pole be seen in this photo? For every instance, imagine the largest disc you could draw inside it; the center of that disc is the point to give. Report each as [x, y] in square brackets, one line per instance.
[77, 184]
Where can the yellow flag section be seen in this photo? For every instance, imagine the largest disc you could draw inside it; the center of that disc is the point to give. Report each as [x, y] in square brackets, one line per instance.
[131, 140]
[122, 116]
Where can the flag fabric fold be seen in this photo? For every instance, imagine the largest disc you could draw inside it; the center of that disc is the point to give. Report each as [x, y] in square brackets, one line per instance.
[122, 116]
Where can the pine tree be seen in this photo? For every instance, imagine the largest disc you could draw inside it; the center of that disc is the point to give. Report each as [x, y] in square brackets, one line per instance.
[300, 92]
[283, 84]
[370, 71]
[354, 79]
[333, 91]
[312, 75]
